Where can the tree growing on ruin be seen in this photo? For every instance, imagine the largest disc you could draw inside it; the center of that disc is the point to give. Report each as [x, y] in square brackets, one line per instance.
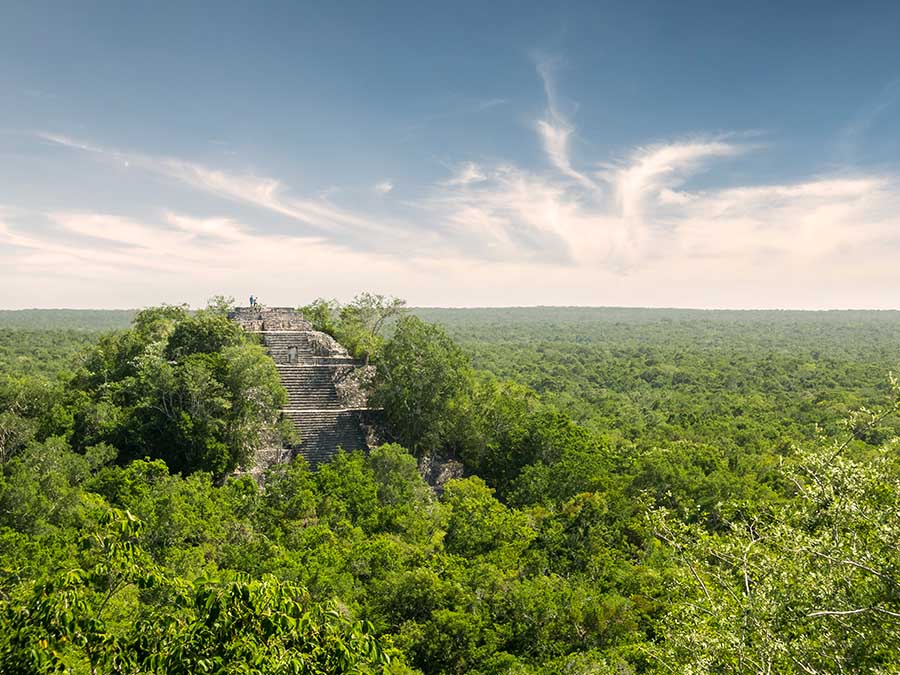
[359, 325]
[192, 389]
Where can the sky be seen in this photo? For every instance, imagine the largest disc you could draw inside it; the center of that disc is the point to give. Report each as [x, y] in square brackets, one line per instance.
[691, 154]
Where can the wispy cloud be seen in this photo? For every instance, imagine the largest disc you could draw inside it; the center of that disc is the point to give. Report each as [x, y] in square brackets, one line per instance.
[263, 192]
[86, 258]
[452, 109]
[650, 170]
[647, 211]
[631, 214]
[487, 104]
[556, 130]
[508, 213]
[651, 221]
[69, 142]
[853, 134]
[466, 173]
[647, 219]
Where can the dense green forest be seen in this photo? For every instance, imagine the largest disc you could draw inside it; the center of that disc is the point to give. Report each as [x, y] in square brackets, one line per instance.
[645, 491]
[93, 320]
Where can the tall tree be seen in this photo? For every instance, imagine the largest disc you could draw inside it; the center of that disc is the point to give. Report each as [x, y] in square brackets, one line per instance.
[422, 381]
[192, 389]
[360, 324]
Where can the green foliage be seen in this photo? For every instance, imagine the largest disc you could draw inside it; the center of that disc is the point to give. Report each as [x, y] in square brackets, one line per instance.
[42, 353]
[405, 502]
[322, 314]
[809, 586]
[740, 380]
[645, 491]
[52, 320]
[421, 383]
[478, 523]
[192, 389]
[268, 626]
[359, 325]
[252, 626]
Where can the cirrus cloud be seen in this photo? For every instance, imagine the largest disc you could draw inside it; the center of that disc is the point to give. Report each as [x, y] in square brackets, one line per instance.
[597, 230]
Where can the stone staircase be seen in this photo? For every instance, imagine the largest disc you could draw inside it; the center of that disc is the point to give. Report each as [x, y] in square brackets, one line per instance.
[325, 386]
[324, 431]
[309, 386]
[309, 347]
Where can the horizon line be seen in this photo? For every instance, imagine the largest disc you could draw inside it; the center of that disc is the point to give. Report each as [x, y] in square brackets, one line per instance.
[499, 307]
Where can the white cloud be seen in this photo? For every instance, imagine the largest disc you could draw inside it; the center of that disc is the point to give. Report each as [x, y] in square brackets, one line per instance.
[67, 141]
[556, 130]
[647, 221]
[85, 256]
[644, 215]
[651, 170]
[466, 173]
[487, 104]
[853, 134]
[260, 191]
[223, 229]
[654, 226]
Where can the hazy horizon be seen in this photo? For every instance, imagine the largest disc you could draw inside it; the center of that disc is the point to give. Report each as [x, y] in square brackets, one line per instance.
[486, 307]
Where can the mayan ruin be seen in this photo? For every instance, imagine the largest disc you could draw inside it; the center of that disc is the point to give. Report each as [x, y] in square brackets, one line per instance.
[327, 388]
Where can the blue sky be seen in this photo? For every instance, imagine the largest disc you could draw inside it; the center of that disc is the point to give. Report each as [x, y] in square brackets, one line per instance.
[696, 154]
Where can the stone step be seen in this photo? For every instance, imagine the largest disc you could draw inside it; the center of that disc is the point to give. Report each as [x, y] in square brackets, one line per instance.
[263, 319]
[322, 388]
[313, 385]
[317, 384]
[288, 347]
[294, 371]
[311, 403]
[301, 372]
[291, 347]
[303, 390]
[322, 432]
[305, 360]
[310, 387]
[328, 394]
